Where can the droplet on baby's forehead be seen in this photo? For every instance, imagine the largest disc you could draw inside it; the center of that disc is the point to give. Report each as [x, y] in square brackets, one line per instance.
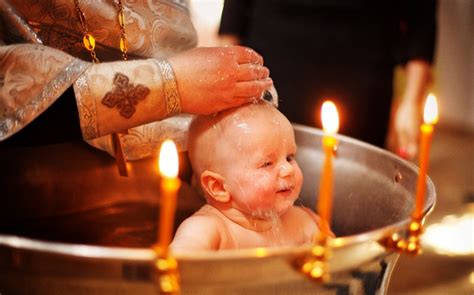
[275, 121]
[244, 126]
[236, 118]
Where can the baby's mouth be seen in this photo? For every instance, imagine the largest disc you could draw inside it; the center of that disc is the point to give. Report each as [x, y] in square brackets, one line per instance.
[285, 190]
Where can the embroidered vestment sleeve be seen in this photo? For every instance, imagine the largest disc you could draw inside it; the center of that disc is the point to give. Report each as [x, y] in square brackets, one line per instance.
[32, 78]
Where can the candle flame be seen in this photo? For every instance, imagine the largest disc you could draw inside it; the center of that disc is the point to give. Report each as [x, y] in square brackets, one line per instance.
[329, 117]
[168, 160]
[430, 114]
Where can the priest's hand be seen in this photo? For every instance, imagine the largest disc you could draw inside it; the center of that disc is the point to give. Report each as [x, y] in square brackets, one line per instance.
[211, 79]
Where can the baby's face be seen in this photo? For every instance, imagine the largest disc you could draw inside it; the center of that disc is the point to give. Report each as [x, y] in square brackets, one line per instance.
[261, 172]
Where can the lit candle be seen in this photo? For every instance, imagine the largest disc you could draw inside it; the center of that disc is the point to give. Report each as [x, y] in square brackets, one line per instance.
[330, 121]
[430, 118]
[170, 183]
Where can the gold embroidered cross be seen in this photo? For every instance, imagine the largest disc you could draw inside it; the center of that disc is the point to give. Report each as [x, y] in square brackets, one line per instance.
[125, 96]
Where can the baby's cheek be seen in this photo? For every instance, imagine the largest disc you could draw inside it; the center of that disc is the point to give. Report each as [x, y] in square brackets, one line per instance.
[262, 192]
[298, 180]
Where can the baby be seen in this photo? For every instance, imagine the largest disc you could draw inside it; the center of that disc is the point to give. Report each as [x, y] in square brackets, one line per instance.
[245, 161]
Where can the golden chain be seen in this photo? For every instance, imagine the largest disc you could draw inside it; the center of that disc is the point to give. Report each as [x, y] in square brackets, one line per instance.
[89, 40]
[123, 40]
[89, 44]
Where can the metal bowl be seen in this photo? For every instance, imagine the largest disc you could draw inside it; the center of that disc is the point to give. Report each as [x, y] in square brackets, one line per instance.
[73, 226]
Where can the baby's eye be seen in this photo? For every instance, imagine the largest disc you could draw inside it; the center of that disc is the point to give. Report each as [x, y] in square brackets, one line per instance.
[290, 158]
[266, 164]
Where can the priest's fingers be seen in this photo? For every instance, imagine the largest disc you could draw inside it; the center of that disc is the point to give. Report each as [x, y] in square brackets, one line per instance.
[252, 89]
[246, 55]
[250, 72]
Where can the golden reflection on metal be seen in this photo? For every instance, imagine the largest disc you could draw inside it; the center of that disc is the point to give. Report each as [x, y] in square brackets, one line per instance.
[335, 149]
[337, 243]
[166, 273]
[315, 265]
[261, 252]
[409, 244]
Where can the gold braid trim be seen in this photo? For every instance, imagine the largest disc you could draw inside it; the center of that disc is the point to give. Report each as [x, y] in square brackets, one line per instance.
[170, 88]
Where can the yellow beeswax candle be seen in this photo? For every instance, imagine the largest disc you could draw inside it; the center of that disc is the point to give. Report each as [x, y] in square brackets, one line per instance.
[330, 121]
[430, 118]
[169, 186]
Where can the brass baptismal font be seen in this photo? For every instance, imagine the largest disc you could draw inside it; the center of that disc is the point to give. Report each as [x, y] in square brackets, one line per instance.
[373, 201]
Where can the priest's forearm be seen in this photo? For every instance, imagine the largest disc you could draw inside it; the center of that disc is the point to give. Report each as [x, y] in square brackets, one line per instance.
[418, 77]
[113, 97]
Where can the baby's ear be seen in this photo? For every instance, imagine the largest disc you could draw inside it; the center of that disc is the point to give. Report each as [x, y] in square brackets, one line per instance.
[213, 184]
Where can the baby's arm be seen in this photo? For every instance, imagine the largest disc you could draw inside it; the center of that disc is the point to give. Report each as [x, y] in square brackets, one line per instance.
[198, 232]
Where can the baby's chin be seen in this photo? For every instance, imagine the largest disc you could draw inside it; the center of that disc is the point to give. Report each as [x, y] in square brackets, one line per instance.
[279, 208]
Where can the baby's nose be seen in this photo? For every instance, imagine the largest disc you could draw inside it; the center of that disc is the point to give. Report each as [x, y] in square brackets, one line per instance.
[286, 169]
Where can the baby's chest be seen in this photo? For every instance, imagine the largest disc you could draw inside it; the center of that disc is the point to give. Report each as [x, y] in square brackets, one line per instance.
[277, 236]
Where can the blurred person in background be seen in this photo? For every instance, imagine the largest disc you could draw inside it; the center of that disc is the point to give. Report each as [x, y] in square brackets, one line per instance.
[345, 51]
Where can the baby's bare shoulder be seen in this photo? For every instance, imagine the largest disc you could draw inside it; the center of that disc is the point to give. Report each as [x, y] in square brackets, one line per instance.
[201, 219]
[303, 215]
[198, 232]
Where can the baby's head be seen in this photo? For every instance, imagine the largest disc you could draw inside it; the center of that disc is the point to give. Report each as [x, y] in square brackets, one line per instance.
[245, 159]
